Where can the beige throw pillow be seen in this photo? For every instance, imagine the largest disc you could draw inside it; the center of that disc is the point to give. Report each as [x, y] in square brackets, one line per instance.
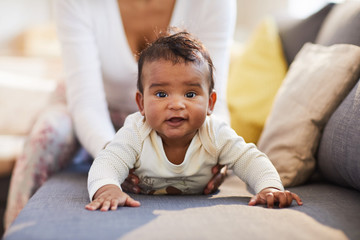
[316, 83]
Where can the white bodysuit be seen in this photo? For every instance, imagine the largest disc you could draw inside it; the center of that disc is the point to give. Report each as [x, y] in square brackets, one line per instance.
[101, 71]
[137, 146]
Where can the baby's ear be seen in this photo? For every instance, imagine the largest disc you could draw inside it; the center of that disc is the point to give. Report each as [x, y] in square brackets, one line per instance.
[140, 102]
[212, 101]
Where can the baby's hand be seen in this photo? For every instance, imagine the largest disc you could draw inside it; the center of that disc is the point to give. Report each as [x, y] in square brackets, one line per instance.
[270, 196]
[110, 197]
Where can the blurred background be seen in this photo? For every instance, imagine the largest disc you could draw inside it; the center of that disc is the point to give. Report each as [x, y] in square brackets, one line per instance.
[26, 27]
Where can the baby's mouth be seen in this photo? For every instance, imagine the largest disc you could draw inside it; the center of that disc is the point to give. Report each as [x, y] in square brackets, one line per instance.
[175, 121]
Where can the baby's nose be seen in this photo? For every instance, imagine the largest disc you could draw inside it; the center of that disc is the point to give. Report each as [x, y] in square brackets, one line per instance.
[177, 103]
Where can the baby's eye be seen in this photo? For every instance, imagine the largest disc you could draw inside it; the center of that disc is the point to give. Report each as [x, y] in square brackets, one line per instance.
[161, 94]
[190, 95]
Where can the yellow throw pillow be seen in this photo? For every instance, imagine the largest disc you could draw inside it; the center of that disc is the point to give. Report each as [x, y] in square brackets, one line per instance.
[254, 78]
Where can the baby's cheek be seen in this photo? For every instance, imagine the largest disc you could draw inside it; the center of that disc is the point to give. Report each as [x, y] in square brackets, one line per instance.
[153, 114]
[200, 114]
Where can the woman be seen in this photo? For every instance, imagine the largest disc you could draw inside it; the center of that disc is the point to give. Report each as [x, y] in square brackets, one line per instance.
[100, 41]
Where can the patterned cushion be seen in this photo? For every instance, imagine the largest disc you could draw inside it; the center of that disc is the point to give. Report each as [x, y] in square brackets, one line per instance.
[339, 151]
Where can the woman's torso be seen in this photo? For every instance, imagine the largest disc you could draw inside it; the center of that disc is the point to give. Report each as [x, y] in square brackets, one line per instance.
[117, 50]
[142, 21]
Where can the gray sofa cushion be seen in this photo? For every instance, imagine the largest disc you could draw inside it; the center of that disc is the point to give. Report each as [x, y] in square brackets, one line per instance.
[342, 25]
[57, 211]
[339, 151]
[295, 33]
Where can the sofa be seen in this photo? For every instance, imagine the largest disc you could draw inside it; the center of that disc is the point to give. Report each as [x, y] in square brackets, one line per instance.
[323, 169]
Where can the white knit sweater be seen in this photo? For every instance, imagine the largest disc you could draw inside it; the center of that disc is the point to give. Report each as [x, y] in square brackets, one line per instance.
[101, 71]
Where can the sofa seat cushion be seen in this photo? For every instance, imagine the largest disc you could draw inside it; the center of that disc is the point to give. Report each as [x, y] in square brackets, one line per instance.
[57, 211]
[339, 151]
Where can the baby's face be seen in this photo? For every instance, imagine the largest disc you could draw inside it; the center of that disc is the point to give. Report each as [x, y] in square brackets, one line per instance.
[176, 98]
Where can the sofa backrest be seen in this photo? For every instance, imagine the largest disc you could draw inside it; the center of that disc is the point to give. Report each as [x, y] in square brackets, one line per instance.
[333, 24]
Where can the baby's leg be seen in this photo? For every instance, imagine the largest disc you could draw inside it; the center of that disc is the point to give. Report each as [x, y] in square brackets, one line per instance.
[49, 148]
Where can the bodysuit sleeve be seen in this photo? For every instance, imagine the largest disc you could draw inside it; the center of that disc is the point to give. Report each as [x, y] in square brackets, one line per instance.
[112, 164]
[84, 85]
[248, 163]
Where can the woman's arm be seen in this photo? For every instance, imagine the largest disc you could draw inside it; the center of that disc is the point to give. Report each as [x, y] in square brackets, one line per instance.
[84, 85]
[216, 29]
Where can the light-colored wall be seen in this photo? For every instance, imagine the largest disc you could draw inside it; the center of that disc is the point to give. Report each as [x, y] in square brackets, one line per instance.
[18, 15]
[249, 13]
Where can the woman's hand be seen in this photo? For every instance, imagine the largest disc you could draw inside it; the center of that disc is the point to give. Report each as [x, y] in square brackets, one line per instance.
[219, 172]
[270, 196]
[110, 197]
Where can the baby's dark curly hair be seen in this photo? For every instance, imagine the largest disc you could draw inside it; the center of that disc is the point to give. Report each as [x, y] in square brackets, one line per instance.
[178, 47]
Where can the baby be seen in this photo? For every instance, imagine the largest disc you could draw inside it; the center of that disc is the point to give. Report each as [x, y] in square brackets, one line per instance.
[173, 141]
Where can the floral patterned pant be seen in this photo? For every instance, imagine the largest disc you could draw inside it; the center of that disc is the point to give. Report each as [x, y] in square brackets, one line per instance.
[48, 149]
